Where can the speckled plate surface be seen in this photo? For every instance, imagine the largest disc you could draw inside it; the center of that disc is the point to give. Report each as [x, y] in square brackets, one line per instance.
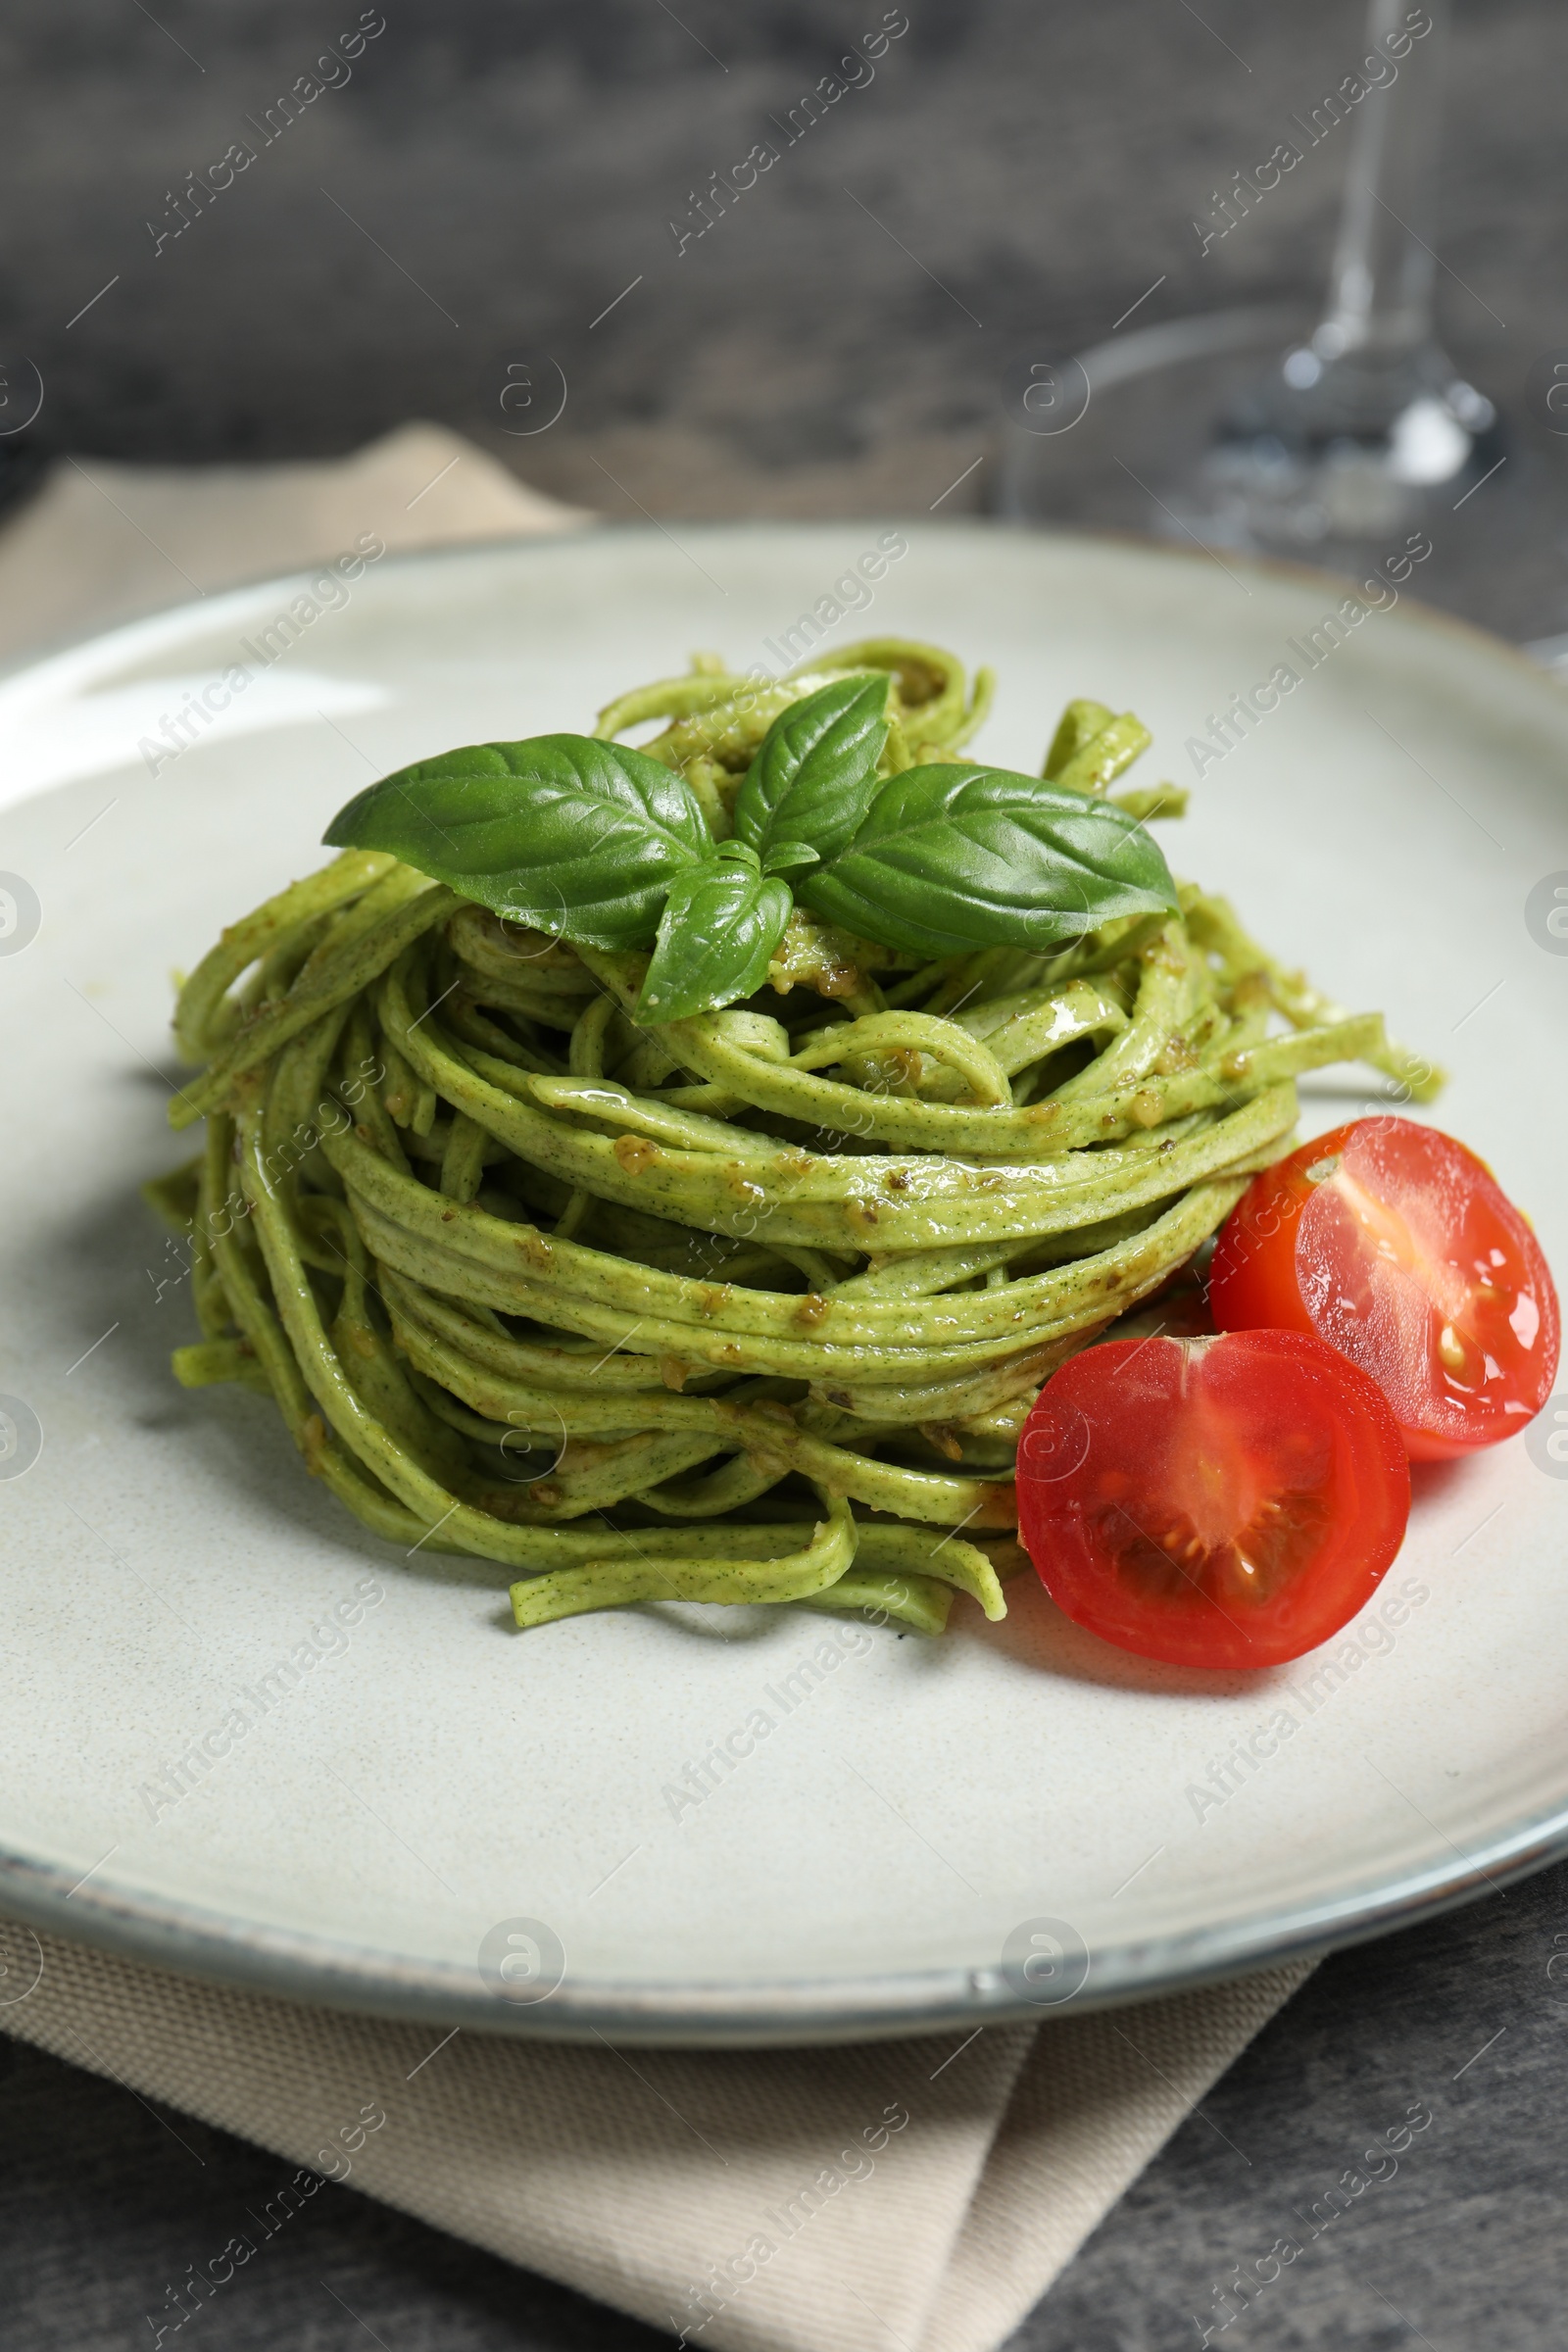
[244, 1737]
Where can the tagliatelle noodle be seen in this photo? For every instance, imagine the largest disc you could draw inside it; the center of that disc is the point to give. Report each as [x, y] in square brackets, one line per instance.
[749, 1307]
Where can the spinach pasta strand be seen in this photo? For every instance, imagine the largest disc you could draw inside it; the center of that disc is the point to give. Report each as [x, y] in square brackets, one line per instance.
[749, 1308]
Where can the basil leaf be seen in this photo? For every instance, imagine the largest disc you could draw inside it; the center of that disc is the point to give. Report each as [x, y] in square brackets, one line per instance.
[957, 857]
[717, 937]
[814, 773]
[576, 837]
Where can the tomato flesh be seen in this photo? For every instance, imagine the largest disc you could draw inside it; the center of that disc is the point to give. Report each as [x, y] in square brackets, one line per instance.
[1225, 1503]
[1398, 1246]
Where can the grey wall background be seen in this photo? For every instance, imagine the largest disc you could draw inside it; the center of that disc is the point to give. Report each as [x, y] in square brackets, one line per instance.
[513, 169]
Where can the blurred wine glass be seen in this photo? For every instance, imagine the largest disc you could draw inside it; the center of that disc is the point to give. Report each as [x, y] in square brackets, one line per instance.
[1352, 431]
[1327, 438]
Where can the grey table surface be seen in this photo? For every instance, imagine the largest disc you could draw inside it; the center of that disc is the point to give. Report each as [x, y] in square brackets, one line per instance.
[486, 182]
[102, 2204]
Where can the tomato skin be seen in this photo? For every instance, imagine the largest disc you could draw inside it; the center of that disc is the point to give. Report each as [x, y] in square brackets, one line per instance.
[1222, 1502]
[1395, 1245]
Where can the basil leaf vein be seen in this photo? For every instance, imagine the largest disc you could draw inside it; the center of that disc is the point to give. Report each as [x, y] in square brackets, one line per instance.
[576, 836]
[720, 927]
[814, 773]
[958, 855]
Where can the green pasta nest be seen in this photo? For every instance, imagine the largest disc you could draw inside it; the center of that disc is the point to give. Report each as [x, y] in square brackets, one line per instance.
[750, 1306]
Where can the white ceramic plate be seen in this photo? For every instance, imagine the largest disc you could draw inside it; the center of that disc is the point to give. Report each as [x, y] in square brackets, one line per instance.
[888, 1849]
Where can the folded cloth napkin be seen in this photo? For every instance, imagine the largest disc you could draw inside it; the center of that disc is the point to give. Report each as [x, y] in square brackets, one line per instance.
[799, 2200]
[103, 542]
[794, 2200]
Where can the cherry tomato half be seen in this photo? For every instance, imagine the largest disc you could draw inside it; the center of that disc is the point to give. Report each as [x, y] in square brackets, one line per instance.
[1395, 1245]
[1225, 1501]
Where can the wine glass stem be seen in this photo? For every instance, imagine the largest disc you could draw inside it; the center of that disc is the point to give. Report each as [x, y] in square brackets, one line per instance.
[1381, 285]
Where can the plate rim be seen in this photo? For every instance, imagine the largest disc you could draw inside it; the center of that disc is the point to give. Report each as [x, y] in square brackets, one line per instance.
[59, 656]
[191, 1939]
[198, 1941]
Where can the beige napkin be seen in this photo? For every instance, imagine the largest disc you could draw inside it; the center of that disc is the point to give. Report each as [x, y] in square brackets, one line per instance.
[803, 2200]
[833, 2199]
[102, 542]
